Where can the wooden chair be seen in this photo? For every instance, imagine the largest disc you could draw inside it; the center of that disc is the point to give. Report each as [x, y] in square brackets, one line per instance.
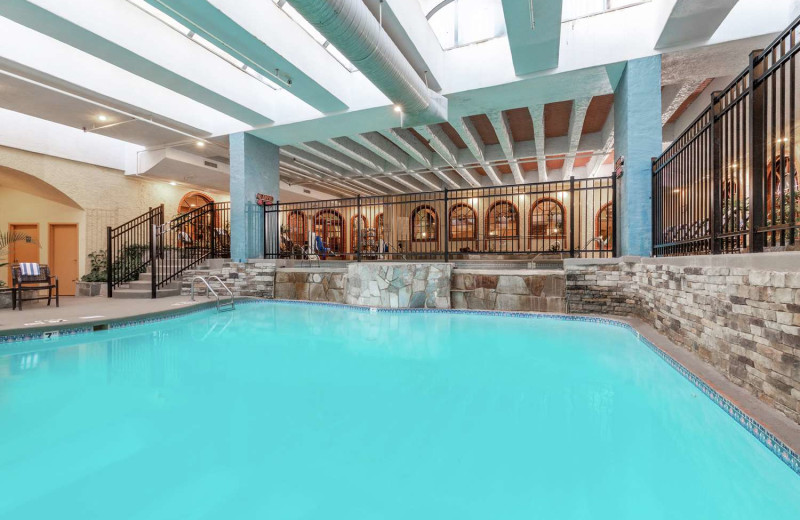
[34, 283]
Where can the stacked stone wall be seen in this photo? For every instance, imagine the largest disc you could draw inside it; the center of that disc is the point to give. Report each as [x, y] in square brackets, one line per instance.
[509, 291]
[741, 315]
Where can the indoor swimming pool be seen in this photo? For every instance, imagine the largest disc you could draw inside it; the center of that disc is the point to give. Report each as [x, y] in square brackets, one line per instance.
[292, 411]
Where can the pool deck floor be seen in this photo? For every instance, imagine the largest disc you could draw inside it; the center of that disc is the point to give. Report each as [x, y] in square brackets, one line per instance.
[89, 310]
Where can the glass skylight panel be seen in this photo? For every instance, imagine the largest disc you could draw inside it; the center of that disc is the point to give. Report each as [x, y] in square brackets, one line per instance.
[202, 42]
[573, 9]
[462, 22]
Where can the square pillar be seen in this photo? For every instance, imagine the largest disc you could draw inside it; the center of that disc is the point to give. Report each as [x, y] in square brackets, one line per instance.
[637, 137]
[254, 169]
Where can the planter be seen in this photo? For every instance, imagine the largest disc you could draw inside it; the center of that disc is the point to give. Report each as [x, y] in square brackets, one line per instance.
[89, 289]
[5, 299]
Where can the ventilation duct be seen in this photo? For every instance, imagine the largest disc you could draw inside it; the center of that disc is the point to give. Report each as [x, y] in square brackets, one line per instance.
[351, 28]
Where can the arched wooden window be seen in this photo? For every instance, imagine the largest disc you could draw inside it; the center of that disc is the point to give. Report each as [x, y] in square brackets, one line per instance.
[502, 221]
[424, 224]
[547, 223]
[604, 225]
[354, 231]
[296, 224]
[193, 200]
[463, 222]
[329, 224]
[379, 235]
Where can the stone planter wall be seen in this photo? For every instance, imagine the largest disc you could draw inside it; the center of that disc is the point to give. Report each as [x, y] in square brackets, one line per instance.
[5, 300]
[740, 313]
[396, 286]
[539, 291]
[90, 289]
[313, 285]
[243, 279]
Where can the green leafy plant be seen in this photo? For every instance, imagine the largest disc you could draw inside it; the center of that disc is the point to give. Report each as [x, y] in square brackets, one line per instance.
[128, 264]
[99, 268]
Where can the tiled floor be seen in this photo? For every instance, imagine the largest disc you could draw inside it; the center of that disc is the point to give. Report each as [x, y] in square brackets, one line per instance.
[84, 310]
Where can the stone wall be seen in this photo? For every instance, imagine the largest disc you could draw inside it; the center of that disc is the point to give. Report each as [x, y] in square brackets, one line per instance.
[317, 285]
[396, 285]
[740, 313]
[256, 279]
[504, 290]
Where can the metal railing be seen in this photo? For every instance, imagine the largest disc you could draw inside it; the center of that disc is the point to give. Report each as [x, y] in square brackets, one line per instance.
[167, 249]
[729, 182]
[567, 218]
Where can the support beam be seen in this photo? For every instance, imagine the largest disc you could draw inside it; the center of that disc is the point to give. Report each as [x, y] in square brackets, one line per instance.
[382, 147]
[692, 21]
[537, 115]
[475, 144]
[607, 139]
[334, 157]
[637, 110]
[576, 119]
[255, 166]
[407, 142]
[534, 33]
[358, 152]
[448, 151]
[503, 130]
[446, 178]
[424, 179]
[673, 96]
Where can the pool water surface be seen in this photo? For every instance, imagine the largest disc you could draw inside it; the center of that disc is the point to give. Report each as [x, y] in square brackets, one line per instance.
[288, 411]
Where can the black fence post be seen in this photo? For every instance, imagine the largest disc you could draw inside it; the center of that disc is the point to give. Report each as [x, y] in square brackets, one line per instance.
[614, 247]
[716, 173]
[153, 270]
[572, 217]
[655, 197]
[358, 227]
[446, 228]
[213, 230]
[277, 228]
[757, 126]
[109, 264]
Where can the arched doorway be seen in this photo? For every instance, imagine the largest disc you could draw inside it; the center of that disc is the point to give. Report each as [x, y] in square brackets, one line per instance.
[199, 229]
[329, 224]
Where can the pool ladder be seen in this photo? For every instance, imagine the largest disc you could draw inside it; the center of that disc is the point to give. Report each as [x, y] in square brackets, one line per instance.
[221, 305]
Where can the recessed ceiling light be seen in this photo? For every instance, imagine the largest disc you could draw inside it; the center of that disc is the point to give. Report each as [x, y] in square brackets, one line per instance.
[173, 183]
[200, 144]
[102, 118]
[398, 108]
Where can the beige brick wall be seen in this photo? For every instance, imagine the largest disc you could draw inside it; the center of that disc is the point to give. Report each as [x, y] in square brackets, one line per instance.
[107, 196]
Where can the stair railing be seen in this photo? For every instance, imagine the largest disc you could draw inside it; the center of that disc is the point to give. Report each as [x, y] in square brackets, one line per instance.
[128, 251]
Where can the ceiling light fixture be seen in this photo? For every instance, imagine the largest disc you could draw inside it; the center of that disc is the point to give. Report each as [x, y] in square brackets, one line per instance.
[398, 108]
[200, 144]
[102, 118]
[173, 183]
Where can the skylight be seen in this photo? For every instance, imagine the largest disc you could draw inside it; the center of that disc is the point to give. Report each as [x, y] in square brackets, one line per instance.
[461, 22]
[307, 27]
[202, 42]
[574, 9]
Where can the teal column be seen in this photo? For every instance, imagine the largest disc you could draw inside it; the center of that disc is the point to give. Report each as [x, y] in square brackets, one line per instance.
[254, 169]
[637, 138]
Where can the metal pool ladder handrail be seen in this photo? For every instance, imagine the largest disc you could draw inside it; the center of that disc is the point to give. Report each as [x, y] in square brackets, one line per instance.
[220, 305]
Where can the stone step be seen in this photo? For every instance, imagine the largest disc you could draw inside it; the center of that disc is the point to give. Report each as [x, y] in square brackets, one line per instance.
[145, 293]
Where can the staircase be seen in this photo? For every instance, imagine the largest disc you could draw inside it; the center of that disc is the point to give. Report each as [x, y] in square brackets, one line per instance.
[148, 255]
[142, 288]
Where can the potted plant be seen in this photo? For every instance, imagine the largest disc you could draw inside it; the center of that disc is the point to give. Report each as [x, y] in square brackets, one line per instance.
[94, 282]
[6, 239]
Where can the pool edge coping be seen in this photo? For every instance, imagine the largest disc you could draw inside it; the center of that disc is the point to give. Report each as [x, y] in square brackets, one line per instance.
[650, 337]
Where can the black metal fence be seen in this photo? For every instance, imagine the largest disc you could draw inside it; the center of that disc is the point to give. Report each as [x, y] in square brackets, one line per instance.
[567, 218]
[729, 182]
[166, 249]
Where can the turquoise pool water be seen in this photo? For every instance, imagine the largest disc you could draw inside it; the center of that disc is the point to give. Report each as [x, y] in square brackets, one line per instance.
[285, 411]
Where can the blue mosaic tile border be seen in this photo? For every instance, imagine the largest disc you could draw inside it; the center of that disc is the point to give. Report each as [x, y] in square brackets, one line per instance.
[770, 441]
[30, 336]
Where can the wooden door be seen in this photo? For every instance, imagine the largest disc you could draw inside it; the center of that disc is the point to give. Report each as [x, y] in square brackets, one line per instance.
[26, 250]
[64, 256]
